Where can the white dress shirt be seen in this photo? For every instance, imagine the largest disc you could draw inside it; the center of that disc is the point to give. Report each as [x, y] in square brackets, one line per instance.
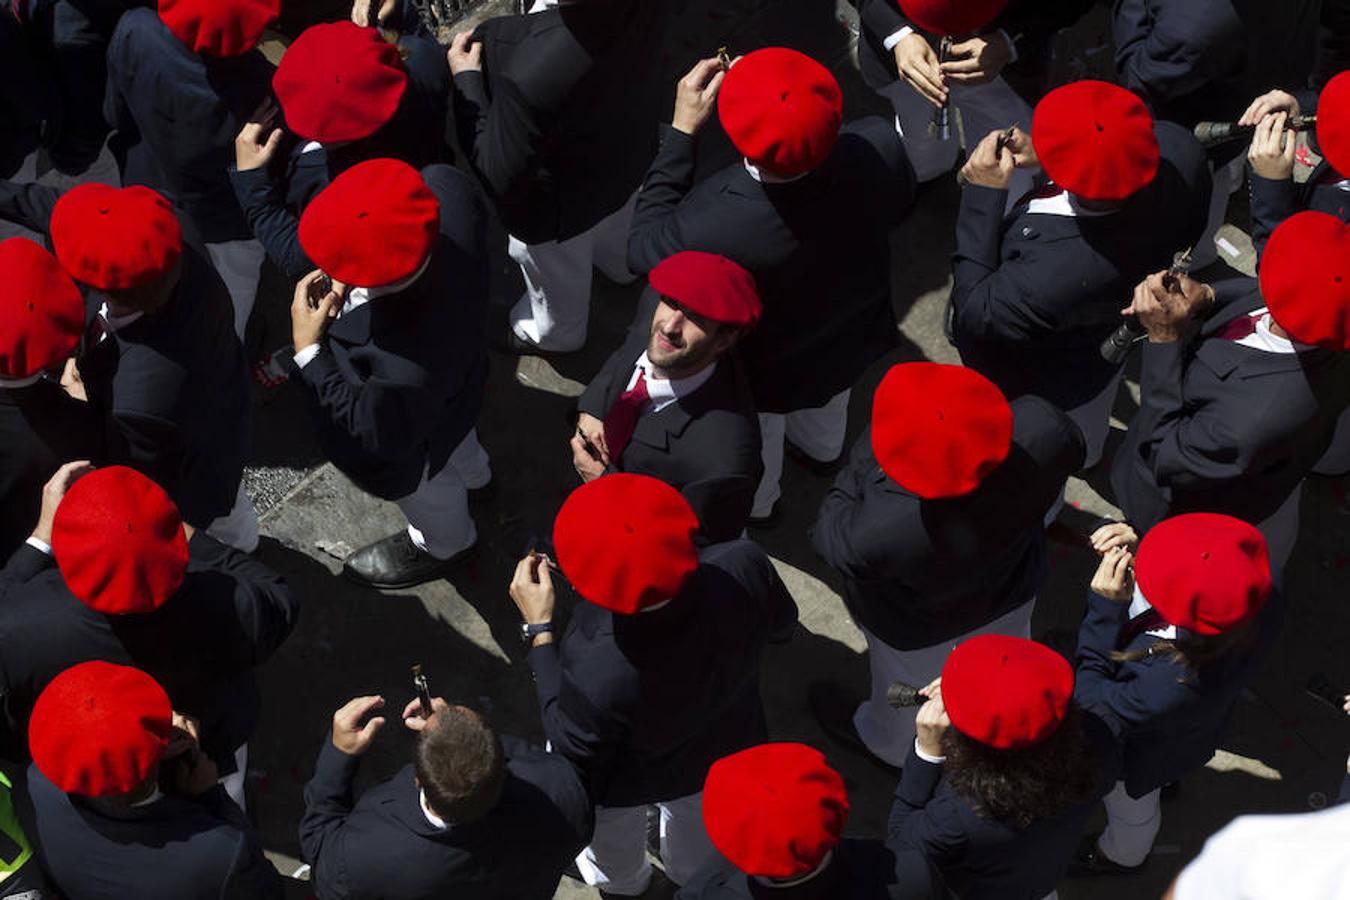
[665, 391]
[1265, 339]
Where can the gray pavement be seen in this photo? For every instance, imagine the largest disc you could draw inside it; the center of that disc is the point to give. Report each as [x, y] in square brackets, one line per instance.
[1282, 753]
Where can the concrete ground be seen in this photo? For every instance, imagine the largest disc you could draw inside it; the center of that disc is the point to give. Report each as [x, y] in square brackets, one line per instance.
[1283, 751]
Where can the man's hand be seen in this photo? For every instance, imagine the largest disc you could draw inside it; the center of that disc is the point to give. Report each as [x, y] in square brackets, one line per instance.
[72, 383]
[1022, 150]
[932, 722]
[978, 60]
[532, 589]
[257, 141]
[1113, 535]
[465, 54]
[1114, 579]
[1166, 314]
[593, 430]
[412, 713]
[918, 64]
[361, 13]
[309, 323]
[1271, 102]
[53, 491]
[989, 166]
[587, 466]
[349, 735]
[1272, 150]
[696, 95]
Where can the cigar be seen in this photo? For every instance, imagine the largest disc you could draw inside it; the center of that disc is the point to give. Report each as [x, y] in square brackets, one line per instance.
[1004, 140]
[423, 692]
[723, 58]
[318, 289]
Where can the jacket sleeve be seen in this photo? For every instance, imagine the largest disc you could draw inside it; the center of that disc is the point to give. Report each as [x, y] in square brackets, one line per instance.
[846, 534]
[275, 226]
[251, 874]
[1272, 201]
[918, 819]
[655, 232]
[377, 418]
[500, 136]
[25, 563]
[882, 18]
[29, 205]
[1168, 50]
[583, 727]
[264, 604]
[328, 801]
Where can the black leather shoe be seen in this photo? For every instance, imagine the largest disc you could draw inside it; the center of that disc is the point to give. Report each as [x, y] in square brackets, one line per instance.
[661, 888]
[512, 344]
[833, 705]
[821, 467]
[396, 562]
[765, 522]
[1089, 861]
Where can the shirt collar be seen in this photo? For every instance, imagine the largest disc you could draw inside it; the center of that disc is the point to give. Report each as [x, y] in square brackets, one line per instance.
[768, 177]
[665, 391]
[156, 795]
[1139, 605]
[436, 821]
[116, 323]
[360, 296]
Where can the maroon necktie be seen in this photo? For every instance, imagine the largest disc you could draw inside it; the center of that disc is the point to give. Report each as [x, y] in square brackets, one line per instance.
[1240, 327]
[623, 415]
[1148, 620]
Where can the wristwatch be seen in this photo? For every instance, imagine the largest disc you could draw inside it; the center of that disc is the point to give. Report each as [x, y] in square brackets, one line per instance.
[529, 632]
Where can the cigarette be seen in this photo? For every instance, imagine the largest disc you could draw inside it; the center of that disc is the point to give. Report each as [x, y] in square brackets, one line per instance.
[723, 58]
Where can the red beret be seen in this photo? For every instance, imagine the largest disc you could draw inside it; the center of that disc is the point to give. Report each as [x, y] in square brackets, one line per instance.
[1305, 279]
[1204, 572]
[339, 82]
[626, 542]
[774, 810]
[219, 28]
[1095, 140]
[98, 729]
[939, 430]
[115, 238]
[41, 310]
[373, 225]
[781, 109]
[951, 18]
[1006, 692]
[708, 285]
[1333, 123]
[119, 542]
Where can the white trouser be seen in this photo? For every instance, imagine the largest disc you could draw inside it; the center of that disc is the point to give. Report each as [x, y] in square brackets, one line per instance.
[555, 309]
[818, 432]
[234, 782]
[984, 108]
[1131, 825]
[438, 511]
[1227, 179]
[889, 733]
[239, 527]
[239, 264]
[1281, 528]
[616, 860]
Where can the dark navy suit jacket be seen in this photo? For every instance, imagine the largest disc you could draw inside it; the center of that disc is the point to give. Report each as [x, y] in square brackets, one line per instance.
[383, 846]
[645, 703]
[920, 572]
[858, 870]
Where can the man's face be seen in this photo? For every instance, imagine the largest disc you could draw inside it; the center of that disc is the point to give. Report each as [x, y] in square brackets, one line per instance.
[683, 342]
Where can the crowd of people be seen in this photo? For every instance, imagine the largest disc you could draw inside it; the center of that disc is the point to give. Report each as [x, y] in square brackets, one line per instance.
[366, 167]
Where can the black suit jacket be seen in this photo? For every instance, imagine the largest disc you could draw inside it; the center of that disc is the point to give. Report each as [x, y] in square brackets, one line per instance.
[706, 444]
[1166, 721]
[823, 324]
[41, 428]
[1274, 200]
[229, 616]
[858, 870]
[176, 115]
[398, 382]
[1226, 428]
[560, 123]
[1035, 294]
[171, 387]
[383, 845]
[24, 95]
[920, 572]
[644, 704]
[981, 858]
[175, 848]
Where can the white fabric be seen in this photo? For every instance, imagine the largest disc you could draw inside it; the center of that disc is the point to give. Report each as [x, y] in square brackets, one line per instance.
[239, 527]
[39, 545]
[1342, 185]
[819, 432]
[305, 355]
[888, 732]
[665, 391]
[239, 264]
[433, 820]
[1131, 825]
[616, 860]
[763, 177]
[1273, 858]
[115, 323]
[1065, 204]
[1140, 605]
[1265, 339]
[983, 108]
[234, 782]
[927, 757]
[897, 36]
[438, 510]
[554, 310]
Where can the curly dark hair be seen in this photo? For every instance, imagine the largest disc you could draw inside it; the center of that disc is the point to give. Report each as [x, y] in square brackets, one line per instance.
[1019, 787]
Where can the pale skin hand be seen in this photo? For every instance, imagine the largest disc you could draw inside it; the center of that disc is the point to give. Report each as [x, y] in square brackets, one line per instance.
[978, 60]
[257, 141]
[532, 591]
[1267, 103]
[1116, 534]
[988, 166]
[361, 12]
[1165, 314]
[309, 324]
[1023, 152]
[465, 55]
[918, 65]
[53, 491]
[72, 383]
[1114, 579]
[696, 95]
[350, 734]
[412, 713]
[932, 721]
[1272, 150]
[588, 467]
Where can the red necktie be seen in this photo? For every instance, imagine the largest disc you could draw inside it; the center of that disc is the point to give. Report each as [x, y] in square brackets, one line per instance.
[1240, 327]
[623, 415]
[1148, 620]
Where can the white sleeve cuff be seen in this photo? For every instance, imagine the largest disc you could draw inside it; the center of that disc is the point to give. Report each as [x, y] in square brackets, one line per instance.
[1012, 47]
[935, 760]
[897, 37]
[39, 545]
[305, 355]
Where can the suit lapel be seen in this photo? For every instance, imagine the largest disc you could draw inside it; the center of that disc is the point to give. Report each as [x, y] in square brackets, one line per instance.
[353, 328]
